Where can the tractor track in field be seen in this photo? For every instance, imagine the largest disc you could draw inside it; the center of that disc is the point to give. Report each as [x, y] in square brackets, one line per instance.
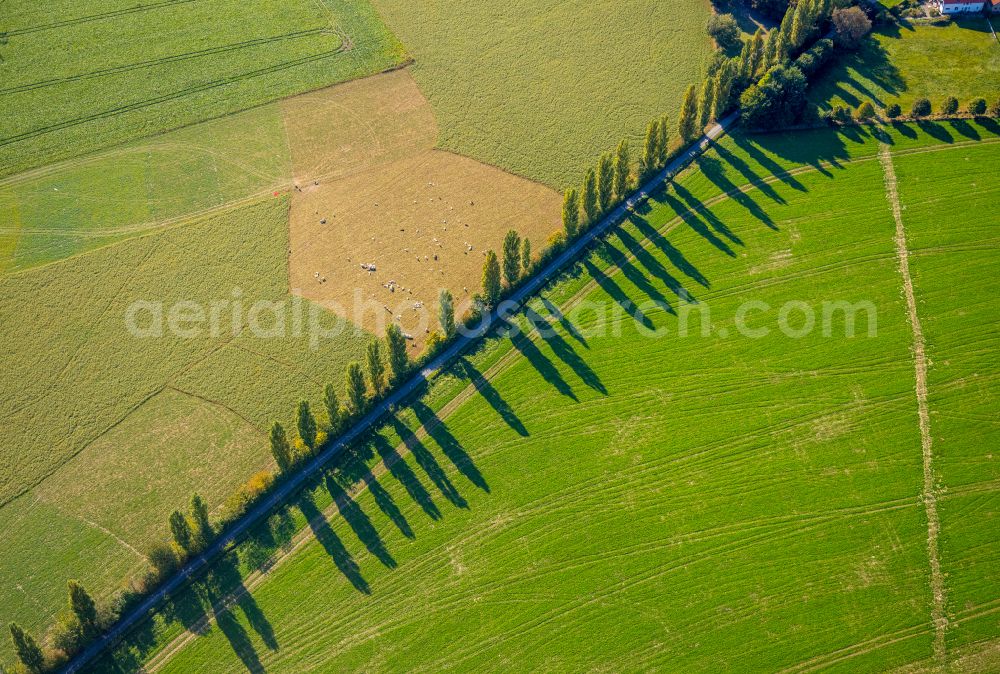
[173, 58]
[939, 616]
[306, 534]
[174, 95]
[96, 17]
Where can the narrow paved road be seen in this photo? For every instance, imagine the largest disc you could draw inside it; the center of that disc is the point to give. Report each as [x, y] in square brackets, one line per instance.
[293, 484]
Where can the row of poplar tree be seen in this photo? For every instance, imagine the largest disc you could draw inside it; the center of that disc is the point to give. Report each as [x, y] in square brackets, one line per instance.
[377, 375]
[612, 180]
[604, 187]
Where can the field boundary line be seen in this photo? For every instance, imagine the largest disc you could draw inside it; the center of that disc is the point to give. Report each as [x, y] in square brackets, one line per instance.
[938, 592]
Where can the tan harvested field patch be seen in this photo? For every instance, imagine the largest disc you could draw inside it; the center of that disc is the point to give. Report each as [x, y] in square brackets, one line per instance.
[354, 127]
[425, 222]
[376, 192]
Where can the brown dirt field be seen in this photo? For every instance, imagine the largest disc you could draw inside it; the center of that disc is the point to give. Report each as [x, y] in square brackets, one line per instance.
[388, 198]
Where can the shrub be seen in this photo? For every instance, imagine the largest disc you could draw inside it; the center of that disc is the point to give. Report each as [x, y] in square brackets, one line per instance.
[162, 559]
[65, 634]
[950, 106]
[815, 58]
[246, 494]
[893, 111]
[977, 106]
[850, 26]
[866, 110]
[995, 110]
[842, 115]
[725, 31]
[921, 108]
[434, 343]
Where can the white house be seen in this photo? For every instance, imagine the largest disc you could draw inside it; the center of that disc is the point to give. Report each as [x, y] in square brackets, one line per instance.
[960, 6]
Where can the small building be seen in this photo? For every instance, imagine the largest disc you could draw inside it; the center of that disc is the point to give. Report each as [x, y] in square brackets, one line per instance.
[961, 6]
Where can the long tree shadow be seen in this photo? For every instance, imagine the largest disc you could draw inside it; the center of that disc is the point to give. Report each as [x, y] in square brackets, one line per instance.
[813, 149]
[652, 265]
[713, 170]
[717, 224]
[401, 470]
[387, 505]
[904, 129]
[675, 256]
[543, 365]
[489, 393]
[963, 127]
[754, 178]
[359, 521]
[438, 430]
[607, 284]
[636, 276]
[565, 352]
[565, 322]
[341, 557]
[935, 130]
[188, 608]
[428, 463]
[257, 550]
[224, 580]
[694, 222]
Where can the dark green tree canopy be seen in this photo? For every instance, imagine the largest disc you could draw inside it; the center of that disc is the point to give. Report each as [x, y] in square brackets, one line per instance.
[306, 424]
[491, 279]
[399, 361]
[776, 101]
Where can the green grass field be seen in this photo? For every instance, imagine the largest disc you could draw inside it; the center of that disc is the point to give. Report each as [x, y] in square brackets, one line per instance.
[580, 495]
[141, 187]
[955, 265]
[541, 88]
[115, 431]
[903, 63]
[208, 58]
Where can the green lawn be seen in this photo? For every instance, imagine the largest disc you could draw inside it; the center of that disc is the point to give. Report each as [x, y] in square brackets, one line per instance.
[604, 499]
[80, 76]
[903, 63]
[115, 431]
[542, 87]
